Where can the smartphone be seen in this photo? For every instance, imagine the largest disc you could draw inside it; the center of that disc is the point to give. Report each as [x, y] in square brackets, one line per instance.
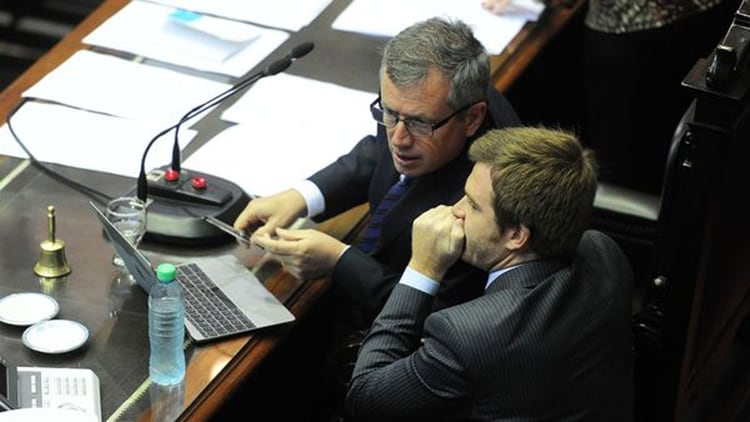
[241, 236]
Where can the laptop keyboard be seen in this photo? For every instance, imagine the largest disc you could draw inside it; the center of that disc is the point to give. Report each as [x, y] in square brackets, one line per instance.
[207, 307]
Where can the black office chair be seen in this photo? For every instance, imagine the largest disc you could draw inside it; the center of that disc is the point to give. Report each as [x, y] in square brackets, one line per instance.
[500, 110]
[638, 221]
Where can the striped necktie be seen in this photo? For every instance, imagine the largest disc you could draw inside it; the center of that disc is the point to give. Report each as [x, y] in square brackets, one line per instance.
[391, 198]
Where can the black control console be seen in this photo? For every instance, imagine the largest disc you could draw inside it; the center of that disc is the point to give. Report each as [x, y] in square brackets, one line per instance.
[178, 201]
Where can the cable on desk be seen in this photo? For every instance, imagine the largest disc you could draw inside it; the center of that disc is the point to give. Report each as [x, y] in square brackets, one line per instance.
[130, 401]
[98, 196]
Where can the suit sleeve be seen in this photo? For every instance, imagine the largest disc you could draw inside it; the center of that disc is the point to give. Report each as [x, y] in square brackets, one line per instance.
[366, 283]
[399, 376]
[345, 182]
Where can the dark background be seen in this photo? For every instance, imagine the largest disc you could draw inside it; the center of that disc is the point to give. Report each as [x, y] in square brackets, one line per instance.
[28, 28]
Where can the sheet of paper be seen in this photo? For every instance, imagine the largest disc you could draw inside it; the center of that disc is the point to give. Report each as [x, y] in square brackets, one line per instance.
[76, 138]
[291, 15]
[495, 32]
[284, 138]
[192, 40]
[107, 84]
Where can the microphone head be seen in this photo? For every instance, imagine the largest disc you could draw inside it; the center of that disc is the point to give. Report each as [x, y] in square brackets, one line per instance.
[141, 188]
[278, 66]
[283, 64]
[301, 50]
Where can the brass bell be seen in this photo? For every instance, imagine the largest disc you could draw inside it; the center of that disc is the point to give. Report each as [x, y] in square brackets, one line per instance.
[52, 262]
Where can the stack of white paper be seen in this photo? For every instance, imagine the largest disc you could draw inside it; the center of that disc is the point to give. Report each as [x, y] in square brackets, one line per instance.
[107, 84]
[76, 138]
[187, 39]
[285, 14]
[284, 138]
[495, 32]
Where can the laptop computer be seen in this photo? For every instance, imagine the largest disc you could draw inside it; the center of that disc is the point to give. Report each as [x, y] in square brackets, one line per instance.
[222, 297]
[50, 388]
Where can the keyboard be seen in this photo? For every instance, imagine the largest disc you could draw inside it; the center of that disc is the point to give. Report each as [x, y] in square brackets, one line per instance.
[206, 307]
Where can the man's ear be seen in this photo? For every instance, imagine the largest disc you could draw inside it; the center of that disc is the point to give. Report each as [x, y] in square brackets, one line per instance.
[474, 117]
[519, 238]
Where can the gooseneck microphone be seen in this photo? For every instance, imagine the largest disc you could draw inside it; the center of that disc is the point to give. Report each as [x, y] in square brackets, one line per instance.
[180, 199]
[272, 69]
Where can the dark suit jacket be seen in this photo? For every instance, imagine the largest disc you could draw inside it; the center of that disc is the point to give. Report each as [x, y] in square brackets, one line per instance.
[548, 341]
[364, 175]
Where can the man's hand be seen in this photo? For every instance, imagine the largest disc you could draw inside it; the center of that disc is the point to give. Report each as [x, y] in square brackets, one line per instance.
[496, 7]
[305, 254]
[437, 242]
[263, 215]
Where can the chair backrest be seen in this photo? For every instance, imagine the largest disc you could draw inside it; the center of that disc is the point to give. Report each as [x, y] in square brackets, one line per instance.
[636, 219]
[500, 111]
[642, 219]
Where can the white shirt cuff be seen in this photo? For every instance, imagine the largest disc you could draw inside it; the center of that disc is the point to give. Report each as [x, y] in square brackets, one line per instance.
[419, 281]
[314, 199]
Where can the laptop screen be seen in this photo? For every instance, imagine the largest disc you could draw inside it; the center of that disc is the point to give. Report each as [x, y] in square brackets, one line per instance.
[137, 264]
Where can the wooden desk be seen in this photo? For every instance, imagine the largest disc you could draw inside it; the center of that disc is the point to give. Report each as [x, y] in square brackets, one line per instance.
[216, 369]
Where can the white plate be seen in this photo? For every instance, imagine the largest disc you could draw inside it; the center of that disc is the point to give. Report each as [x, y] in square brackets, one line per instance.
[27, 308]
[55, 336]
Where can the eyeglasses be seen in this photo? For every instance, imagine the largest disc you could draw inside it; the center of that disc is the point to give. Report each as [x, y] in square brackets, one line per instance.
[415, 127]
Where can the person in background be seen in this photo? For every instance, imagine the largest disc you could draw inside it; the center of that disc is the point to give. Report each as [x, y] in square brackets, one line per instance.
[550, 337]
[635, 56]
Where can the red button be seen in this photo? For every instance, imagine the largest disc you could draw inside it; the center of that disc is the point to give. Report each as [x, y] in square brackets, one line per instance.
[199, 183]
[171, 175]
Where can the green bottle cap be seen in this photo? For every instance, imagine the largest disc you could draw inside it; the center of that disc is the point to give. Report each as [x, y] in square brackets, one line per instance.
[166, 272]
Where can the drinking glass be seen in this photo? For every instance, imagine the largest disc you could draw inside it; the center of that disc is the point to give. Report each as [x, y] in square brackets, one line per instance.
[128, 214]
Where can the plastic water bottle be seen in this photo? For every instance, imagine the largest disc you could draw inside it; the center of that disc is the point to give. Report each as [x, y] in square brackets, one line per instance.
[166, 328]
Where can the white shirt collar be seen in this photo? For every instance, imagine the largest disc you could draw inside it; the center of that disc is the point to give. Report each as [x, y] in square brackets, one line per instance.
[497, 273]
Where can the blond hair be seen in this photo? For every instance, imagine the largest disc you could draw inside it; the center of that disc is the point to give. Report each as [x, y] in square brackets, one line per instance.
[541, 178]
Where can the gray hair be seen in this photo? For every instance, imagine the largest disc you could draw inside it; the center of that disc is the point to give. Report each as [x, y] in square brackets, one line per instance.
[446, 45]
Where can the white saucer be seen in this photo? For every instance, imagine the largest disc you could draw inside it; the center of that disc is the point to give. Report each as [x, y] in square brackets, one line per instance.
[27, 308]
[55, 336]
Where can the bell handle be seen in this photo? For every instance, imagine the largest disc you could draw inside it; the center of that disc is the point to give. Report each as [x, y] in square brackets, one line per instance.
[51, 224]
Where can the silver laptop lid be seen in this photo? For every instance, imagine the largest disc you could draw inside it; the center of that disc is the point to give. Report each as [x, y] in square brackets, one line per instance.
[241, 287]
